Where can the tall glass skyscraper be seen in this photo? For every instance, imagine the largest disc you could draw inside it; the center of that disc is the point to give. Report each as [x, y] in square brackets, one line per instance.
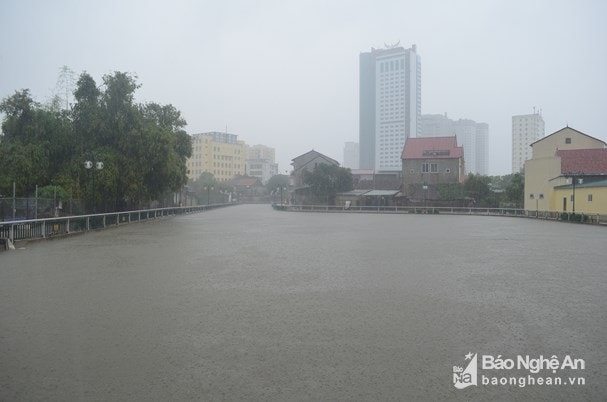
[390, 105]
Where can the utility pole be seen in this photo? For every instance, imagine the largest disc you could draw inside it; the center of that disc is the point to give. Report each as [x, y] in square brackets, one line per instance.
[14, 205]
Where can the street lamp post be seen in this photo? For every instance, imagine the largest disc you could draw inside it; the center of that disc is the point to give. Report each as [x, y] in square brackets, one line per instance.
[97, 165]
[574, 179]
[573, 200]
[287, 187]
[208, 189]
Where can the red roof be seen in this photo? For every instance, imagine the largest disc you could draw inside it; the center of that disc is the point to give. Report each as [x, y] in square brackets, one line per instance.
[432, 148]
[587, 161]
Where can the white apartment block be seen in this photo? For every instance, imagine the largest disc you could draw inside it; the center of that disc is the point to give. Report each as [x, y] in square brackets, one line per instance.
[472, 136]
[260, 162]
[261, 152]
[526, 129]
[262, 169]
[390, 105]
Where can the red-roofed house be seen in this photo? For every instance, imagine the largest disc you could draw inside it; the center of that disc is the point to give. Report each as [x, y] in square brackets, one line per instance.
[429, 162]
[559, 158]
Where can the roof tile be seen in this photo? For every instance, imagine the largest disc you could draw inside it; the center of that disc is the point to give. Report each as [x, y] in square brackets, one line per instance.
[586, 161]
[430, 147]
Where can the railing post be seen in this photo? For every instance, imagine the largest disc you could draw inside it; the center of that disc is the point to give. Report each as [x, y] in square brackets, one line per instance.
[104, 221]
[67, 229]
[88, 223]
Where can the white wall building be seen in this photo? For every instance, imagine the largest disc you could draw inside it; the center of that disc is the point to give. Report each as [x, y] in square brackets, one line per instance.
[261, 152]
[526, 129]
[261, 163]
[390, 105]
[436, 125]
[472, 136]
[261, 169]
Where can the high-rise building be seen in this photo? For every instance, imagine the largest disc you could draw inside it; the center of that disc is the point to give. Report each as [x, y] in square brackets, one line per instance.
[218, 153]
[390, 105]
[526, 129]
[436, 125]
[261, 152]
[260, 162]
[351, 155]
[472, 136]
[482, 148]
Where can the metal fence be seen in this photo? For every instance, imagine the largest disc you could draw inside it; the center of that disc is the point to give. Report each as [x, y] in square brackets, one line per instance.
[29, 229]
[35, 208]
[512, 212]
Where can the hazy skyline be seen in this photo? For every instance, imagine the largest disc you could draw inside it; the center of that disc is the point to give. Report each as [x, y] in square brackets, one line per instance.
[285, 73]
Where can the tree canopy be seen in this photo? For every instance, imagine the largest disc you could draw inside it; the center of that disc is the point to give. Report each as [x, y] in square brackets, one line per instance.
[327, 180]
[515, 190]
[143, 147]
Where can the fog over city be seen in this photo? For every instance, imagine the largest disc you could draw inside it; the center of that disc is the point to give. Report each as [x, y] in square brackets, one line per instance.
[285, 73]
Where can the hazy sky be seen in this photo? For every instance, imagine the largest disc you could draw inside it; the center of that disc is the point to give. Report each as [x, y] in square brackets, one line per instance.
[285, 73]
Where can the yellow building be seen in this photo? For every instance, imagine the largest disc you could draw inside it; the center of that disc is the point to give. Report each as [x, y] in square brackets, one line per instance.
[556, 159]
[218, 153]
[589, 198]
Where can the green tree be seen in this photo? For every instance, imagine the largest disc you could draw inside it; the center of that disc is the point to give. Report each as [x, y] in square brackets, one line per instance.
[451, 191]
[515, 191]
[18, 122]
[38, 144]
[207, 187]
[87, 119]
[327, 180]
[477, 188]
[276, 181]
[144, 147]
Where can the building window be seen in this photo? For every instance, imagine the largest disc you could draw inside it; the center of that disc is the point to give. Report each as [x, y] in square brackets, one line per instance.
[567, 140]
[571, 198]
[425, 167]
[411, 171]
[447, 170]
[589, 197]
[434, 168]
[541, 196]
[531, 196]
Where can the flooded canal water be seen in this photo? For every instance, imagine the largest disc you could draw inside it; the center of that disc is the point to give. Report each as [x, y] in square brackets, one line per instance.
[247, 303]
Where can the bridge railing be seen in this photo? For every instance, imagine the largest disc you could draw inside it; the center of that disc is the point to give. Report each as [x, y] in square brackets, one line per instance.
[513, 212]
[49, 227]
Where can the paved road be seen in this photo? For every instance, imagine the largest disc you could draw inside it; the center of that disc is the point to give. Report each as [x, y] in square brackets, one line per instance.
[247, 303]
